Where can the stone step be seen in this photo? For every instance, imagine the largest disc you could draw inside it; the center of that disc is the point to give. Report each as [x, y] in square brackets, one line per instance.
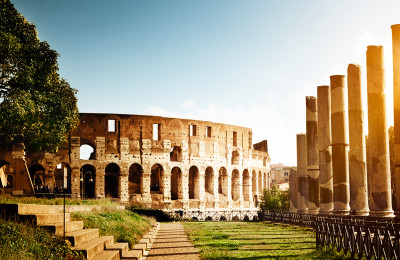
[70, 226]
[108, 255]
[46, 219]
[121, 247]
[30, 209]
[133, 254]
[81, 236]
[94, 246]
[140, 247]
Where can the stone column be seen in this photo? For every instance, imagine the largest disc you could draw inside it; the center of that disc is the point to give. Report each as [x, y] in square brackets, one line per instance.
[325, 150]
[293, 180]
[378, 145]
[396, 103]
[145, 186]
[312, 154]
[340, 146]
[357, 155]
[302, 173]
[124, 189]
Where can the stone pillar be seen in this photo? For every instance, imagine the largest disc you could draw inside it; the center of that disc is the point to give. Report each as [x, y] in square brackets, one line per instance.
[145, 186]
[340, 146]
[378, 145]
[202, 192]
[99, 182]
[357, 155]
[124, 189]
[185, 188]
[75, 183]
[396, 104]
[293, 190]
[215, 190]
[325, 150]
[312, 154]
[302, 173]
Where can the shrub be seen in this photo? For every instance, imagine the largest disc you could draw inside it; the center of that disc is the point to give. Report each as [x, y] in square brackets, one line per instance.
[275, 200]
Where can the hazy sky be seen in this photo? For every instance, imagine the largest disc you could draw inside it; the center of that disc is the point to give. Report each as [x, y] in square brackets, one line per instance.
[249, 63]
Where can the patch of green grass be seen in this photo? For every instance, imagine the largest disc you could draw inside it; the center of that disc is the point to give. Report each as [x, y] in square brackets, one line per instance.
[255, 240]
[23, 241]
[124, 225]
[8, 199]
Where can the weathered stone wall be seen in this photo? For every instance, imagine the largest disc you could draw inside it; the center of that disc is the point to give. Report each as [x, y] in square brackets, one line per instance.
[185, 164]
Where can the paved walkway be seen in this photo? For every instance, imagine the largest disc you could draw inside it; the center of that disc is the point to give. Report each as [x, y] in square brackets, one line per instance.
[172, 243]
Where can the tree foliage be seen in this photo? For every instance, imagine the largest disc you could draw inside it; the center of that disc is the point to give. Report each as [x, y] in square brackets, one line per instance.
[35, 101]
[275, 200]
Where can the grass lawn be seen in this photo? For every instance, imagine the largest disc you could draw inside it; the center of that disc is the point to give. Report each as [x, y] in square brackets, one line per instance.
[255, 240]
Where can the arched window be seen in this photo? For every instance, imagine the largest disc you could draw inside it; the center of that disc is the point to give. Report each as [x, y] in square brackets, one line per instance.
[135, 172]
[111, 184]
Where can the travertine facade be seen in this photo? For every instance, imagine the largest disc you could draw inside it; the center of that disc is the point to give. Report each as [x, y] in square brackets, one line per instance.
[162, 162]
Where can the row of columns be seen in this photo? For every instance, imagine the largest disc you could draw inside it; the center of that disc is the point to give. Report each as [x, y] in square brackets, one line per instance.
[333, 172]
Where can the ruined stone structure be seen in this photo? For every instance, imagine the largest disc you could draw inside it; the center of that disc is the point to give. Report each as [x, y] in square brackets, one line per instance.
[362, 182]
[161, 162]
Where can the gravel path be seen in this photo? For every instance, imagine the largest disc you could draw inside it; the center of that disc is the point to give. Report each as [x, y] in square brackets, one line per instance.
[172, 243]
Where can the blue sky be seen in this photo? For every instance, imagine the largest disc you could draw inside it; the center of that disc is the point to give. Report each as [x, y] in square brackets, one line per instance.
[249, 63]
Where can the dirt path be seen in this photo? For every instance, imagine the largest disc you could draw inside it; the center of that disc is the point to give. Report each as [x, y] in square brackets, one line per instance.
[172, 243]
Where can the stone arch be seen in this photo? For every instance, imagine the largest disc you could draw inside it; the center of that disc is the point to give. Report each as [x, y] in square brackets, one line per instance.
[246, 185]
[157, 172]
[88, 180]
[111, 182]
[260, 184]
[254, 182]
[235, 158]
[223, 181]
[235, 182]
[176, 184]
[135, 171]
[62, 176]
[38, 177]
[194, 187]
[6, 178]
[209, 180]
[176, 154]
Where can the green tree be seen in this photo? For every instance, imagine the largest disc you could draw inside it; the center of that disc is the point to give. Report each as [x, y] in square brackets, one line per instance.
[35, 101]
[275, 199]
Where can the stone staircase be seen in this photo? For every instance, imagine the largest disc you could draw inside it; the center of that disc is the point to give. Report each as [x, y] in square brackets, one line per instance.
[87, 241]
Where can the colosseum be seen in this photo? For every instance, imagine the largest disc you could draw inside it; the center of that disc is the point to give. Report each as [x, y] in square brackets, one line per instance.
[166, 163]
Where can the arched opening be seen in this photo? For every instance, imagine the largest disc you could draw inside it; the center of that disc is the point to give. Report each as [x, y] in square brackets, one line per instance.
[235, 158]
[246, 185]
[134, 179]
[111, 183]
[223, 181]
[254, 182]
[209, 180]
[6, 178]
[260, 182]
[87, 152]
[176, 154]
[246, 218]
[265, 161]
[155, 179]
[38, 178]
[88, 180]
[235, 185]
[176, 184]
[62, 175]
[194, 188]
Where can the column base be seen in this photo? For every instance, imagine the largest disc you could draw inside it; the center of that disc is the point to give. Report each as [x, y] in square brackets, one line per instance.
[341, 212]
[325, 212]
[313, 211]
[302, 211]
[382, 213]
[362, 213]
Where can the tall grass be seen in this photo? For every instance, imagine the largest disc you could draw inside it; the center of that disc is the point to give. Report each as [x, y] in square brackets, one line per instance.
[124, 225]
[23, 241]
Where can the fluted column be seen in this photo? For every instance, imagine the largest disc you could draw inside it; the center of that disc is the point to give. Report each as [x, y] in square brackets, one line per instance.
[378, 145]
[325, 150]
[340, 146]
[312, 154]
[396, 103]
[302, 173]
[357, 155]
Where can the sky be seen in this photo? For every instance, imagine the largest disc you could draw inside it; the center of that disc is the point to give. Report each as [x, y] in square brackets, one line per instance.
[248, 63]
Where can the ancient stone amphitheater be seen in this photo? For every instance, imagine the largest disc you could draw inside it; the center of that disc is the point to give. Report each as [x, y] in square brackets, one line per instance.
[166, 163]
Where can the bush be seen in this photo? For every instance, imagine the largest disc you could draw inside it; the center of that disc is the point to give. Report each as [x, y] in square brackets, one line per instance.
[158, 214]
[275, 200]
